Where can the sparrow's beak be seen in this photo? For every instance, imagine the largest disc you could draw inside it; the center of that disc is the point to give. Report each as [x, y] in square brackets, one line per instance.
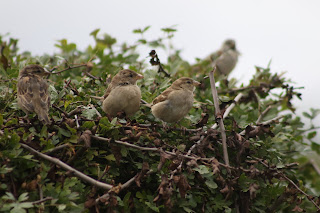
[139, 76]
[196, 83]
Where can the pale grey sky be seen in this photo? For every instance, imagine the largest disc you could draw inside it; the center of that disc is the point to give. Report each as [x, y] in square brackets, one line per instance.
[287, 31]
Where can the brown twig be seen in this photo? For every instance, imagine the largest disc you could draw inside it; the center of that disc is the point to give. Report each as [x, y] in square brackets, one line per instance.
[57, 148]
[42, 200]
[263, 114]
[219, 117]
[68, 68]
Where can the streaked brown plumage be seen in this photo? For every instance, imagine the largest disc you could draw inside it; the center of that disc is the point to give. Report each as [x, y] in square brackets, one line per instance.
[123, 94]
[176, 101]
[33, 92]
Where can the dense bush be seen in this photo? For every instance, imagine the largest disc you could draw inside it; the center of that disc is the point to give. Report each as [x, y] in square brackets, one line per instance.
[142, 166]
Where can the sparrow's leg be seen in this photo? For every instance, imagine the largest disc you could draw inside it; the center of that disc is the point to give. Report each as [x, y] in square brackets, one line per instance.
[165, 126]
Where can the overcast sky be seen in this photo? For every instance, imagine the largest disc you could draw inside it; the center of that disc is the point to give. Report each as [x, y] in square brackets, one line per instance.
[287, 31]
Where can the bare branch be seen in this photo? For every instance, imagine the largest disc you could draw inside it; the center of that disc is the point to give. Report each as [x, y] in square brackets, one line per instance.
[126, 144]
[263, 114]
[57, 148]
[69, 168]
[69, 68]
[301, 191]
[219, 117]
[265, 123]
[42, 200]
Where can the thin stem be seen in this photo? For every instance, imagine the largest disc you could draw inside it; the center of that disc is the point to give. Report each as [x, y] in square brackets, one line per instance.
[219, 117]
[69, 68]
[263, 114]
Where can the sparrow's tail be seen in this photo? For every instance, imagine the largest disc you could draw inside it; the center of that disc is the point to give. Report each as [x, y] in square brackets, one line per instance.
[43, 116]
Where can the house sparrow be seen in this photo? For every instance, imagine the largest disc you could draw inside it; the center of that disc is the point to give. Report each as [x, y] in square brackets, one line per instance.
[226, 58]
[176, 101]
[123, 94]
[33, 92]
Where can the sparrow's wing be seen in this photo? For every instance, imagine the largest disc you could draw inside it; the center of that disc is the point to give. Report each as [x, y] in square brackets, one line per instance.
[109, 89]
[44, 94]
[25, 93]
[213, 56]
[163, 96]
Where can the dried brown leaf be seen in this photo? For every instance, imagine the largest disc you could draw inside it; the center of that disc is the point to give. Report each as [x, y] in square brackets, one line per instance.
[183, 186]
[163, 157]
[86, 138]
[144, 170]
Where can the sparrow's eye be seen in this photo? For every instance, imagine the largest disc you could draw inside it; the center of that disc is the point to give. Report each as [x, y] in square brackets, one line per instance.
[130, 75]
[189, 82]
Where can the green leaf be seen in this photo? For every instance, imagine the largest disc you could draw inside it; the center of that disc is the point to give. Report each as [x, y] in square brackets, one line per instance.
[315, 147]
[1, 120]
[64, 132]
[168, 30]
[94, 33]
[146, 28]
[202, 169]
[211, 184]
[137, 31]
[44, 132]
[311, 135]
[305, 114]
[23, 197]
[314, 112]
[111, 157]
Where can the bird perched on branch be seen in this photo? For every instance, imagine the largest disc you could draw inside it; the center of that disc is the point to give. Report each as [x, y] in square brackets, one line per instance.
[226, 58]
[176, 101]
[33, 92]
[122, 94]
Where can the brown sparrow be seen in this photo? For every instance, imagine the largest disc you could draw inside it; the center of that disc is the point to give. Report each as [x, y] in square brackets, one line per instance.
[176, 101]
[33, 92]
[122, 94]
[226, 58]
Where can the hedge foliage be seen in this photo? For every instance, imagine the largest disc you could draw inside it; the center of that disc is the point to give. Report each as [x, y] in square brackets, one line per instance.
[273, 165]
